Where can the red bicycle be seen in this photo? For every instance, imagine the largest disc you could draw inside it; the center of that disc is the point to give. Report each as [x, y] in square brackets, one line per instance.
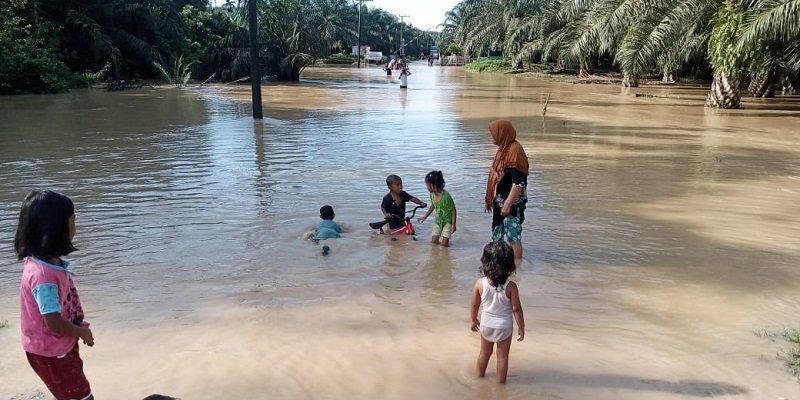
[408, 229]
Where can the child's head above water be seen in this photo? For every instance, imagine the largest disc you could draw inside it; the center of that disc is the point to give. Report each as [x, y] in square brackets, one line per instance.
[497, 262]
[394, 183]
[436, 181]
[326, 212]
[46, 225]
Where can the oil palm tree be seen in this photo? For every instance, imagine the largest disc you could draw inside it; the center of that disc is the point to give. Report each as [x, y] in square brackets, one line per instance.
[129, 35]
[294, 32]
[771, 32]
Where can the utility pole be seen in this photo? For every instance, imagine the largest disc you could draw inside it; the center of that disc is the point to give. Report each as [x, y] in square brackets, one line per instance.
[255, 70]
[360, 4]
[402, 41]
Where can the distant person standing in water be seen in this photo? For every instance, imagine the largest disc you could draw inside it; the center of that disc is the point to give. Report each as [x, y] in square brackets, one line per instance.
[390, 65]
[506, 189]
[404, 73]
[51, 315]
[401, 63]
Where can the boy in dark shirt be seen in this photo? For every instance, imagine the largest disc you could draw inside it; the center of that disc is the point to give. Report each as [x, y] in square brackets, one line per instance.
[393, 206]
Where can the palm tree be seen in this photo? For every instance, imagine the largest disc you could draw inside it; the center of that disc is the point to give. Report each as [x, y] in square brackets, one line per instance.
[771, 30]
[127, 34]
[294, 32]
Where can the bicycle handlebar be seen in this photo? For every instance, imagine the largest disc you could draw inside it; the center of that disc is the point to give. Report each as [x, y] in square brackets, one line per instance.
[413, 212]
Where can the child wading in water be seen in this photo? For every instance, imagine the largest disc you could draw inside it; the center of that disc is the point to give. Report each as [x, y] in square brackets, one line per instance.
[393, 205]
[442, 202]
[498, 299]
[50, 308]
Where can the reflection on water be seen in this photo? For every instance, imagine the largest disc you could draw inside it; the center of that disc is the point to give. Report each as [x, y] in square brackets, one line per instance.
[659, 237]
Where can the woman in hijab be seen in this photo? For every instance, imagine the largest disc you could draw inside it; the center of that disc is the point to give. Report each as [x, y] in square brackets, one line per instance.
[506, 190]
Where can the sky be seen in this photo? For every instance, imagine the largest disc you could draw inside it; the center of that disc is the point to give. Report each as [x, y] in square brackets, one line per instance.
[423, 14]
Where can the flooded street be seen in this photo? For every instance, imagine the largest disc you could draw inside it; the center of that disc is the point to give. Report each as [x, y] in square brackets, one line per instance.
[659, 238]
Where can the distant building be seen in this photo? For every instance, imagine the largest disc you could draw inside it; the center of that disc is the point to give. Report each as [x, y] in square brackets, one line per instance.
[364, 50]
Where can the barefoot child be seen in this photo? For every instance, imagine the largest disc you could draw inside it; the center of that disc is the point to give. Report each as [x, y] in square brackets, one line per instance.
[498, 299]
[50, 309]
[445, 223]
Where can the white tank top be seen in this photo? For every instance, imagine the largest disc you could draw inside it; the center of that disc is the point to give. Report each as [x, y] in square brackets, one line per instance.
[495, 307]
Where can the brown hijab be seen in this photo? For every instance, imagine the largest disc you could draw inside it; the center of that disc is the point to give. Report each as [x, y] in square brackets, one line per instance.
[510, 154]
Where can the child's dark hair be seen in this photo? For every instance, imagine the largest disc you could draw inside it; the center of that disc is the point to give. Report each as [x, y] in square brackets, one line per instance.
[436, 179]
[43, 228]
[326, 212]
[392, 179]
[497, 262]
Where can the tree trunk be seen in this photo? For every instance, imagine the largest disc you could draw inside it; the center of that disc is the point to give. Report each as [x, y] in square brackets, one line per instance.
[724, 93]
[668, 77]
[586, 69]
[629, 81]
[789, 85]
[762, 84]
[291, 66]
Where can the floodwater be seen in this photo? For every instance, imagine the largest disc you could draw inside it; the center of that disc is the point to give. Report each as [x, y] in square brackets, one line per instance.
[661, 239]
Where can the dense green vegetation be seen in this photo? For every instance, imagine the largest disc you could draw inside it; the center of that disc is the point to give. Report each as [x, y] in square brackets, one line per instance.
[489, 65]
[51, 46]
[729, 41]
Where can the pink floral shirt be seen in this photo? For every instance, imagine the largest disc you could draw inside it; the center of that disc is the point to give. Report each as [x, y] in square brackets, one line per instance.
[47, 289]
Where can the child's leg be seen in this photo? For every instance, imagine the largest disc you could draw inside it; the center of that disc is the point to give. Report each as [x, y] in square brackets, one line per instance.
[483, 357]
[503, 348]
[447, 231]
[437, 231]
[63, 375]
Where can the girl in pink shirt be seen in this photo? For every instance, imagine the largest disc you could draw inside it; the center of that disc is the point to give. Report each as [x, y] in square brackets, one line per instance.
[50, 309]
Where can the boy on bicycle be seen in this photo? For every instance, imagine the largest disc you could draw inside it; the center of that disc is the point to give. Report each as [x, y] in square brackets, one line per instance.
[393, 206]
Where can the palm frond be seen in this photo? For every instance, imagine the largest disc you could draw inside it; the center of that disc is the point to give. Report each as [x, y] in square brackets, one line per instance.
[772, 20]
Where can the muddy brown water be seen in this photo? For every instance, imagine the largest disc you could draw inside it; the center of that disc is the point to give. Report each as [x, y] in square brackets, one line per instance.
[660, 238]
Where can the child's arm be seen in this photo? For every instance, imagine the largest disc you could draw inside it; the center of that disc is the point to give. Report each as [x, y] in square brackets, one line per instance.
[427, 214]
[455, 214]
[474, 324]
[516, 308]
[414, 199]
[385, 213]
[56, 323]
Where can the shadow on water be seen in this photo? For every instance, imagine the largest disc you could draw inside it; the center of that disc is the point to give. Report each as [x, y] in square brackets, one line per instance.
[685, 387]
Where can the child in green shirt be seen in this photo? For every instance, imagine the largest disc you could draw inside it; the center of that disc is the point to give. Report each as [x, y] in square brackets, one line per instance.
[442, 202]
